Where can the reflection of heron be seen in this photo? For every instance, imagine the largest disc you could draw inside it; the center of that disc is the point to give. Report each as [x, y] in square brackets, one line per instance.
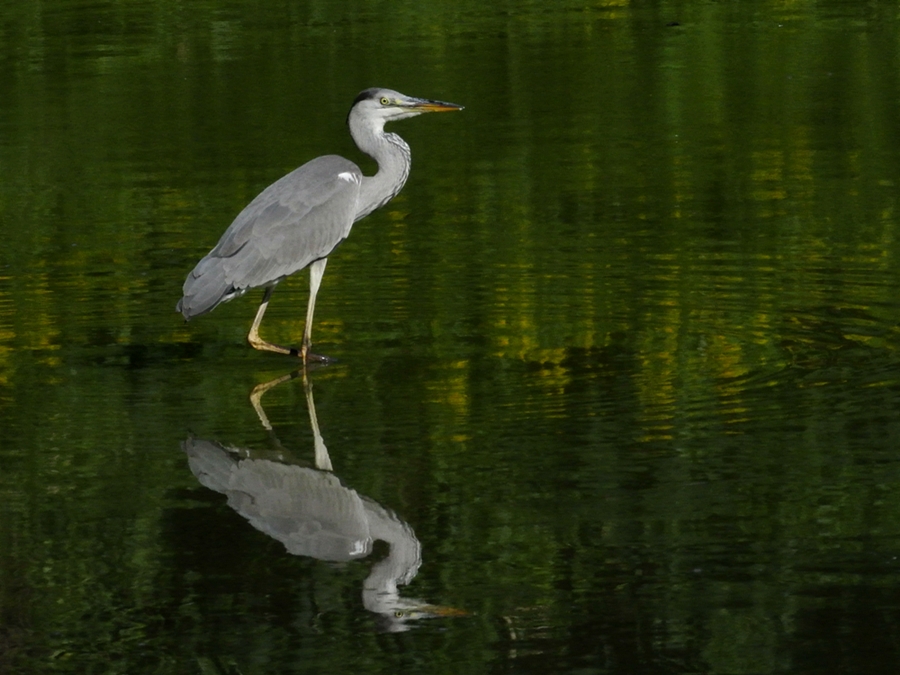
[313, 514]
[300, 219]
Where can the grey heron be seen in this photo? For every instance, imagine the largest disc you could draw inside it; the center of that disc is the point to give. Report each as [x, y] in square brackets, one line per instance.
[301, 218]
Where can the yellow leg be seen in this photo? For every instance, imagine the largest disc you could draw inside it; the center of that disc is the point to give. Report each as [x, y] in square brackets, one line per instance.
[256, 341]
[316, 272]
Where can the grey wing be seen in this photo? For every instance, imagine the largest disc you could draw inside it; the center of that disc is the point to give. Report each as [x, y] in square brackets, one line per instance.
[297, 220]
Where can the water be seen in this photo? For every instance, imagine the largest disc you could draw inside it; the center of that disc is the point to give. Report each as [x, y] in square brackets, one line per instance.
[617, 372]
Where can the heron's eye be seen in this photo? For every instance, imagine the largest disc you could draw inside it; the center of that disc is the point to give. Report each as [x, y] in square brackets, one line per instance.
[399, 612]
[385, 100]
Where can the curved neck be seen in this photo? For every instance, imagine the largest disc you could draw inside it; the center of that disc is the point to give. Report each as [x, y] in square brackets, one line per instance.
[392, 155]
[401, 565]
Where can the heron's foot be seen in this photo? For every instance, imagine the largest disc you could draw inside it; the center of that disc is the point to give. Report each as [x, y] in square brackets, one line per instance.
[309, 358]
[258, 343]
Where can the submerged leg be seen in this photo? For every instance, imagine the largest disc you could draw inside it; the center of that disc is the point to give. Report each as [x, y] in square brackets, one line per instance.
[253, 337]
[316, 272]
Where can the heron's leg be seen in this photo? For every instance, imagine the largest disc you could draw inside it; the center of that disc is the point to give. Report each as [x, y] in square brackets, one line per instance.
[316, 272]
[253, 337]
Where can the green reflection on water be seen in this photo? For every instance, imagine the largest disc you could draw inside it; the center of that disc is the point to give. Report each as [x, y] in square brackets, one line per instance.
[623, 352]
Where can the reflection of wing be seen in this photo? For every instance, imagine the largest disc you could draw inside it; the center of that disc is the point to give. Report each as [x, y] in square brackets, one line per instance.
[309, 511]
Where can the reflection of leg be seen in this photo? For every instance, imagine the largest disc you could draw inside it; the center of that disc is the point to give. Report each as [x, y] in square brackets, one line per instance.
[257, 394]
[253, 337]
[316, 272]
[323, 460]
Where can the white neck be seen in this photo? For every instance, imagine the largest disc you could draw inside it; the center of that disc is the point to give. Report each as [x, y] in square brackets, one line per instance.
[392, 155]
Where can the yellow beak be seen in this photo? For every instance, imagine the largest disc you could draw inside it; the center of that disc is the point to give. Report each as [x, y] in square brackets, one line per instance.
[425, 105]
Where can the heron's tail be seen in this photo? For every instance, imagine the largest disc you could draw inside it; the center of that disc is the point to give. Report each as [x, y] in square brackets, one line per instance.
[210, 462]
[205, 288]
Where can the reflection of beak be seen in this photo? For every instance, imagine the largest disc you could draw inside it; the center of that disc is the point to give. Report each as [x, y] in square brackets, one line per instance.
[431, 611]
[423, 105]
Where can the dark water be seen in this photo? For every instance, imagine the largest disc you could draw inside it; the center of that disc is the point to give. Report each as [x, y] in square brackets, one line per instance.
[617, 385]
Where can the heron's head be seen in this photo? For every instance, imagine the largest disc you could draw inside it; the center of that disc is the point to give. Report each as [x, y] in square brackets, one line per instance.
[387, 105]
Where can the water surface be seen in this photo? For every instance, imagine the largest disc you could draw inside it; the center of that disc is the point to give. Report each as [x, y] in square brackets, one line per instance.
[619, 365]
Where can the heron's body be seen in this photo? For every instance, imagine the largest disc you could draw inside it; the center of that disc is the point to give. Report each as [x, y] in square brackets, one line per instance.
[282, 231]
[300, 219]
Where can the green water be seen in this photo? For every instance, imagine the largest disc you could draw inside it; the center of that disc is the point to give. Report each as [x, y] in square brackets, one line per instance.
[622, 356]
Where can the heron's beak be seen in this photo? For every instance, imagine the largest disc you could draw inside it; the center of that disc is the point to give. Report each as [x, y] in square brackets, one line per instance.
[423, 105]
